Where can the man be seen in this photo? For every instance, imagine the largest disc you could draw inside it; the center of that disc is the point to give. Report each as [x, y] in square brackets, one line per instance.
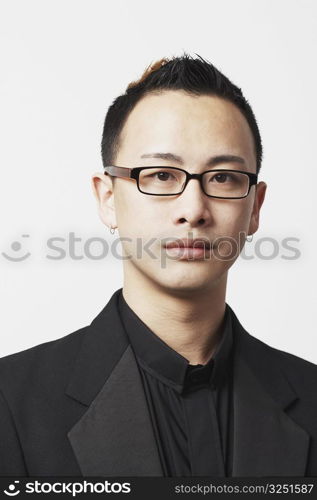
[165, 381]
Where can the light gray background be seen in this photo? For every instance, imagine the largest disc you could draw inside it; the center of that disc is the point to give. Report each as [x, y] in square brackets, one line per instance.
[62, 64]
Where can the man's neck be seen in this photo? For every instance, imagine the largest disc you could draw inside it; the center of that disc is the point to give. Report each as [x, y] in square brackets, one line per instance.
[190, 323]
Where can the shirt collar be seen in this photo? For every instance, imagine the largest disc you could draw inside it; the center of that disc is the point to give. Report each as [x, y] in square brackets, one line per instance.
[167, 365]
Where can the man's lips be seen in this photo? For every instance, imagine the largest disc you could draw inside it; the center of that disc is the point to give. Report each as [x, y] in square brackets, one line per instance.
[190, 243]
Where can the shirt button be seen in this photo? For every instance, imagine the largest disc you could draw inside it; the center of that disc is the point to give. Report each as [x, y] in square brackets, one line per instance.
[199, 376]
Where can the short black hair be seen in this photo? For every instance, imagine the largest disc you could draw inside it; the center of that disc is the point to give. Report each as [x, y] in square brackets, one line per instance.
[195, 76]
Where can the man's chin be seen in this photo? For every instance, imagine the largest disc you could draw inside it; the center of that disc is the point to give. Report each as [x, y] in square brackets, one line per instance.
[178, 278]
[187, 285]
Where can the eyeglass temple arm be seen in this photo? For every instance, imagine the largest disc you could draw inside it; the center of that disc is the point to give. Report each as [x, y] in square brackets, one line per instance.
[118, 171]
[253, 179]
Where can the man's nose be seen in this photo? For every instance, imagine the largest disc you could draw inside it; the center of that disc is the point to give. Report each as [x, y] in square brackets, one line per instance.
[192, 206]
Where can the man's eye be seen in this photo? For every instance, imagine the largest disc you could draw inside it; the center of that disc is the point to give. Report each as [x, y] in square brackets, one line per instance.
[162, 176]
[221, 178]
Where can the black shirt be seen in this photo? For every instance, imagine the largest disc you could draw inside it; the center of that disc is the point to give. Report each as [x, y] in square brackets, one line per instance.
[190, 405]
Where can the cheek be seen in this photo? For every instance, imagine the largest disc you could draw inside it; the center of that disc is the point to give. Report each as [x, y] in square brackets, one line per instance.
[232, 217]
[231, 223]
[133, 213]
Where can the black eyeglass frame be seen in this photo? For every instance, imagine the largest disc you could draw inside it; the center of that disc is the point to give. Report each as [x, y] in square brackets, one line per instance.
[134, 173]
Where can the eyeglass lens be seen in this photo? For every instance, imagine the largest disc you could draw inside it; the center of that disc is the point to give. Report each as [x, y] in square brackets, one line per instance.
[164, 180]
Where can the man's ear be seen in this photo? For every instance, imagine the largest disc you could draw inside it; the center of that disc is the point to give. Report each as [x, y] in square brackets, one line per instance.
[103, 189]
[258, 200]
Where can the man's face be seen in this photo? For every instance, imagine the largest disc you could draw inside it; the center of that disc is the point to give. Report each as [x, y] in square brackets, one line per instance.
[193, 128]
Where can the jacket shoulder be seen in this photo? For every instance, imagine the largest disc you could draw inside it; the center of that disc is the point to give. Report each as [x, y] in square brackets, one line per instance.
[301, 373]
[49, 361]
[286, 358]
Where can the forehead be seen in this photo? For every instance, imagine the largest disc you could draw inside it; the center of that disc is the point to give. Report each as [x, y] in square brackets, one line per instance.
[188, 125]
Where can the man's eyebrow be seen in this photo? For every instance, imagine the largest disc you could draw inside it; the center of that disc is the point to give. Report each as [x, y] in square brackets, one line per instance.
[164, 156]
[211, 162]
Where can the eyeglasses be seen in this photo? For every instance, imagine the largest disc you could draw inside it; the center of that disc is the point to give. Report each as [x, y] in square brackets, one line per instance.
[170, 181]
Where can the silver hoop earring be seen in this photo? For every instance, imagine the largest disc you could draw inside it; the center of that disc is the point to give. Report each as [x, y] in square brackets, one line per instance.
[112, 230]
[249, 238]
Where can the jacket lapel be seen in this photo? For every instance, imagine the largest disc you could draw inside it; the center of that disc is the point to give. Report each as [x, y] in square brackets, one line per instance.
[267, 442]
[114, 437]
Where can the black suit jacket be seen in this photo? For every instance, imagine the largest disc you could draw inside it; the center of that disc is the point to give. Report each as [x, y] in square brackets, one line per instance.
[76, 407]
